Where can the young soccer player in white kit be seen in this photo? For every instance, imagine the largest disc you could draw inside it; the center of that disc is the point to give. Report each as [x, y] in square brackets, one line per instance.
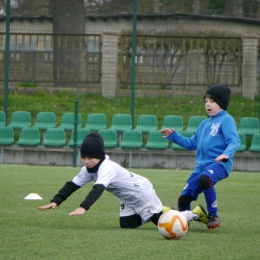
[139, 203]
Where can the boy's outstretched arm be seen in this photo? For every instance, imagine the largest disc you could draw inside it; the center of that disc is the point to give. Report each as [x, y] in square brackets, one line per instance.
[93, 195]
[62, 195]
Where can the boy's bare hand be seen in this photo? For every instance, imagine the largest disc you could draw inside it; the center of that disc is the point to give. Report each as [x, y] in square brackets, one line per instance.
[52, 205]
[167, 132]
[222, 158]
[77, 212]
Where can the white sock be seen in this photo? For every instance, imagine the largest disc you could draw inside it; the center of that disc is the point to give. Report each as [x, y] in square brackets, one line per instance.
[195, 216]
[190, 215]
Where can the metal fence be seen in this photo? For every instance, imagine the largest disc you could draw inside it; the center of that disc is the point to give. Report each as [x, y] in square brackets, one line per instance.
[162, 60]
[32, 58]
[136, 63]
[182, 60]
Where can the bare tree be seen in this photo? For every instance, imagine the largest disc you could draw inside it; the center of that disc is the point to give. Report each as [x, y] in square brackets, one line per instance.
[30, 7]
[196, 6]
[69, 46]
[176, 6]
[251, 8]
[233, 8]
[156, 6]
[108, 6]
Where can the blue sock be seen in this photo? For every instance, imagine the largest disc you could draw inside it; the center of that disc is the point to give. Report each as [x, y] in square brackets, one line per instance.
[211, 200]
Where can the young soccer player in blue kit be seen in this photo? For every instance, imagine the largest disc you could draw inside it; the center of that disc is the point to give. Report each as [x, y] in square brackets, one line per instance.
[139, 202]
[215, 141]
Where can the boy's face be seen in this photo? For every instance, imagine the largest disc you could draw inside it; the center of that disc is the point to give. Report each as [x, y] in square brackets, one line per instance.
[90, 162]
[212, 107]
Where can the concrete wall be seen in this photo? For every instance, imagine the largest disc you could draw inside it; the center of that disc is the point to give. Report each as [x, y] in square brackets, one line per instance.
[138, 158]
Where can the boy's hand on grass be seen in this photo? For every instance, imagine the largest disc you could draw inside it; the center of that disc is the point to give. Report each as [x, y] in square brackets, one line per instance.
[52, 205]
[77, 212]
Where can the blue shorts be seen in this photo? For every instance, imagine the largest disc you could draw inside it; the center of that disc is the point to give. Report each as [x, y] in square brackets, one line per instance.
[216, 172]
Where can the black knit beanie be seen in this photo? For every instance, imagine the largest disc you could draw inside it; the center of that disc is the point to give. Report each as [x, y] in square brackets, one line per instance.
[220, 94]
[93, 146]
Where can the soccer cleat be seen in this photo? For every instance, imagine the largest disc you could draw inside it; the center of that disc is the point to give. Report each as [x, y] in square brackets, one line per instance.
[214, 222]
[166, 208]
[202, 215]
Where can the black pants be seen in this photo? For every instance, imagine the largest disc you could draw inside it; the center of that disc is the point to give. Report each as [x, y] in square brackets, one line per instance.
[135, 220]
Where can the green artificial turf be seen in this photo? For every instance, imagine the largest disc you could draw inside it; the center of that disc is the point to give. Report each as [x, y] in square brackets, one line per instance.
[29, 233]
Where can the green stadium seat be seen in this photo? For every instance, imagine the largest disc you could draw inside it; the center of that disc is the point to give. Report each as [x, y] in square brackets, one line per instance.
[132, 139]
[173, 121]
[45, 120]
[20, 119]
[29, 136]
[81, 134]
[242, 146]
[155, 140]
[54, 137]
[249, 125]
[146, 123]
[6, 135]
[96, 122]
[255, 143]
[194, 122]
[121, 122]
[67, 121]
[178, 147]
[110, 137]
[2, 118]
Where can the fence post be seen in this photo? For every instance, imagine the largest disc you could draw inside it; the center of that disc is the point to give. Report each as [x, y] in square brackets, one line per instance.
[249, 66]
[75, 148]
[7, 43]
[133, 62]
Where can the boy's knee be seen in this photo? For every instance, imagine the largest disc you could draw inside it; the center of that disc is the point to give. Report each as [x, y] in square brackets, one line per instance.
[124, 223]
[205, 182]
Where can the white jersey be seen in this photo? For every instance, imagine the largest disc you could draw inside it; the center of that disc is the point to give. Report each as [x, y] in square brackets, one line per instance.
[131, 189]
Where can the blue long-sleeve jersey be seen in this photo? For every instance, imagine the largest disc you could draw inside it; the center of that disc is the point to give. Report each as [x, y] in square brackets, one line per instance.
[215, 136]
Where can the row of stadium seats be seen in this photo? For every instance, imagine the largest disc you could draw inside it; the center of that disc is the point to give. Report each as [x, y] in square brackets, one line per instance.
[30, 136]
[120, 122]
[98, 121]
